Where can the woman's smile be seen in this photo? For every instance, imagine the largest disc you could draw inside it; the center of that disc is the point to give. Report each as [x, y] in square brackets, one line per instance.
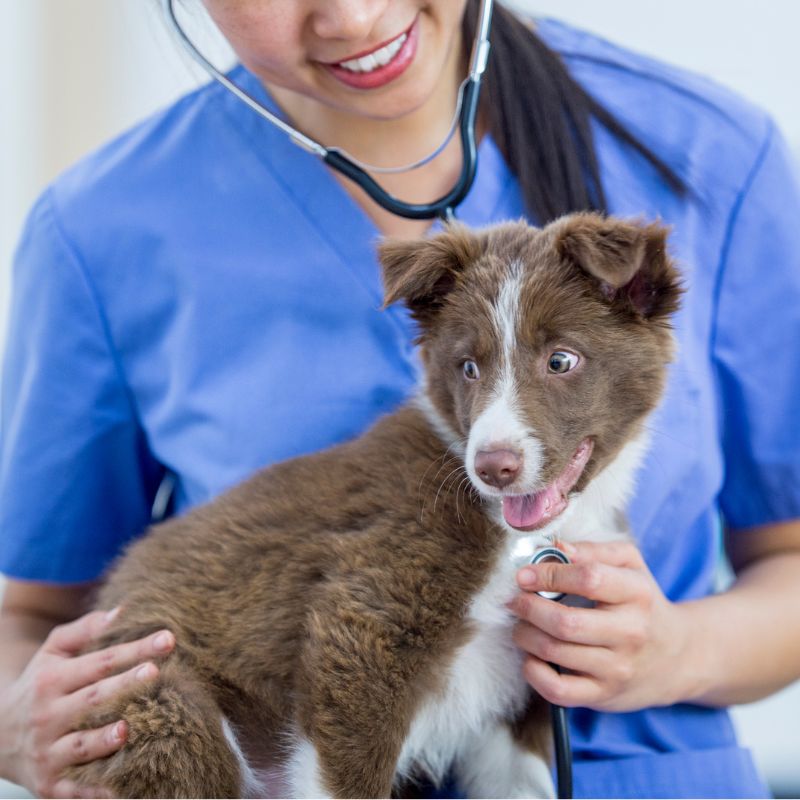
[316, 59]
[380, 65]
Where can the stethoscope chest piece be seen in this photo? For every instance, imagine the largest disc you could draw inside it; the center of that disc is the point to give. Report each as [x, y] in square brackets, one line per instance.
[545, 555]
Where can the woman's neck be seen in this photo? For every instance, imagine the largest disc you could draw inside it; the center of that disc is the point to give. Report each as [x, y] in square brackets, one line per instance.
[392, 142]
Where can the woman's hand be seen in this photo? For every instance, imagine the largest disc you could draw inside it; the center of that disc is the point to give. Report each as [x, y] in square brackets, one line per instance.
[624, 654]
[40, 711]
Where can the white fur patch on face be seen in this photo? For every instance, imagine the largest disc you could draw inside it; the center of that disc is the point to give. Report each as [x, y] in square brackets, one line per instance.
[506, 309]
[500, 426]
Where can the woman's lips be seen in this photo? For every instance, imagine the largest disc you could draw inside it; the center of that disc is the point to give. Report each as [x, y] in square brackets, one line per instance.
[381, 75]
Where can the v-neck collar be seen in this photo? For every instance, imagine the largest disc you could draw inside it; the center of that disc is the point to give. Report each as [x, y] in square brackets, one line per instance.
[325, 203]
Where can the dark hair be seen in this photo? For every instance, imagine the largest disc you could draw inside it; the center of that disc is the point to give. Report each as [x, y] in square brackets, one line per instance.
[540, 118]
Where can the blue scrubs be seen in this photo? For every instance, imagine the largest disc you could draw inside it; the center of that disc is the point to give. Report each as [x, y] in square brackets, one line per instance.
[200, 298]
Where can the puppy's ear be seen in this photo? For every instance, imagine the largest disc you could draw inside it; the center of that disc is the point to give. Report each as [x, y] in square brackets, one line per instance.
[628, 261]
[422, 272]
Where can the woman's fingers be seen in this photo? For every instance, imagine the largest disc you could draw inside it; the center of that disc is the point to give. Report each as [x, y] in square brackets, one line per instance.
[589, 626]
[58, 689]
[576, 657]
[71, 638]
[615, 554]
[562, 622]
[611, 651]
[562, 689]
[74, 706]
[598, 582]
[92, 667]
[78, 747]
[81, 747]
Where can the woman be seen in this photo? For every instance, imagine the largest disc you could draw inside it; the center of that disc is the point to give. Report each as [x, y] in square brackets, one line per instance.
[200, 298]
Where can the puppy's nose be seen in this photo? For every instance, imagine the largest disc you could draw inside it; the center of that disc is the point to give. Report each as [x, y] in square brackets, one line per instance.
[498, 468]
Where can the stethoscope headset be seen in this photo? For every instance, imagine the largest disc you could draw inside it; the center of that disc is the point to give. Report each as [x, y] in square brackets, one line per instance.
[443, 208]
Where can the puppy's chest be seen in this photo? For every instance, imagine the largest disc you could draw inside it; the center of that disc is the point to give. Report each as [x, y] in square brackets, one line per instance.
[483, 682]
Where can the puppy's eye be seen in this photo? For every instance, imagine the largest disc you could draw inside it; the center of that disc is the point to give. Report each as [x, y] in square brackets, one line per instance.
[471, 371]
[561, 362]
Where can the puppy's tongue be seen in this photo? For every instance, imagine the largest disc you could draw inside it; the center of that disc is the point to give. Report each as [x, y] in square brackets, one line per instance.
[530, 511]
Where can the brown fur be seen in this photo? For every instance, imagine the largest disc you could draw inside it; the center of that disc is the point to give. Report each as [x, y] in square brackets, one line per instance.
[327, 594]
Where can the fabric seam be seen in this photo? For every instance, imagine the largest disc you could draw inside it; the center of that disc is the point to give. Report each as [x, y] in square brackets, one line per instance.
[75, 257]
[733, 218]
[566, 52]
[320, 229]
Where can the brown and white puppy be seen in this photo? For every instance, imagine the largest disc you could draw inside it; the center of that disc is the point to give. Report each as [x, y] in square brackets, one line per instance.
[362, 638]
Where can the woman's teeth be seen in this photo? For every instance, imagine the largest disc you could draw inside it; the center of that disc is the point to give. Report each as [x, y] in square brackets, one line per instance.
[380, 58]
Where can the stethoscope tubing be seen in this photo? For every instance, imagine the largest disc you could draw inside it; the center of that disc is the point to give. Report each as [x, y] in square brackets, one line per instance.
[558, 714]
[443, 207]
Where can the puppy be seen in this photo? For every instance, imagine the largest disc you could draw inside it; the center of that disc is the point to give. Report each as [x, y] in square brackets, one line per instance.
[346, 610]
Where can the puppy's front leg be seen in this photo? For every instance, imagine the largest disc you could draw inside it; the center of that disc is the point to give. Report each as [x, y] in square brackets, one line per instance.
[355, 699]
[314, 772]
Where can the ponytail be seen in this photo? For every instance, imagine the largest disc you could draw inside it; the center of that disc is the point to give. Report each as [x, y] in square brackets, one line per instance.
[540, 119]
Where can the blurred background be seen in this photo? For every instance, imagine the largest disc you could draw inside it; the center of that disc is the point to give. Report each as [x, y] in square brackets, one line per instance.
[74, 73]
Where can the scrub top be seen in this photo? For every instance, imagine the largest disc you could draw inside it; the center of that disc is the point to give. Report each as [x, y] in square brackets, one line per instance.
[201, 298]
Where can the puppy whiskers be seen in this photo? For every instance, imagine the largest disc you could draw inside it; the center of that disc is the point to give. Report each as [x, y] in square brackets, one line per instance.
[450, 475]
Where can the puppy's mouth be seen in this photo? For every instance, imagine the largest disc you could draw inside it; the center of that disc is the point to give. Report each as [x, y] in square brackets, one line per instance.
[528, 512]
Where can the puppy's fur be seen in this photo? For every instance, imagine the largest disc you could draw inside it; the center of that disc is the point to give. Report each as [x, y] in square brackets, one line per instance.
[344, 613]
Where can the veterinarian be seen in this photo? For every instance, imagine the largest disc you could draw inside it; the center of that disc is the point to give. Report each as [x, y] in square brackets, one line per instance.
[200, 298]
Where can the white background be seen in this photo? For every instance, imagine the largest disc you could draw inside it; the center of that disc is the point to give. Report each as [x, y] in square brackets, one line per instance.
[75, 72]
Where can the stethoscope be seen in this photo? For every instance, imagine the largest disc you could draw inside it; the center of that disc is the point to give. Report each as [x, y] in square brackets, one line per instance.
[558, 714]
[338, 159]
[444, 208]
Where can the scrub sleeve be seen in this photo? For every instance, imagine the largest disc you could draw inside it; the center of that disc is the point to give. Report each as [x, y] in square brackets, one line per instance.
[76, 477]
[756, 348]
